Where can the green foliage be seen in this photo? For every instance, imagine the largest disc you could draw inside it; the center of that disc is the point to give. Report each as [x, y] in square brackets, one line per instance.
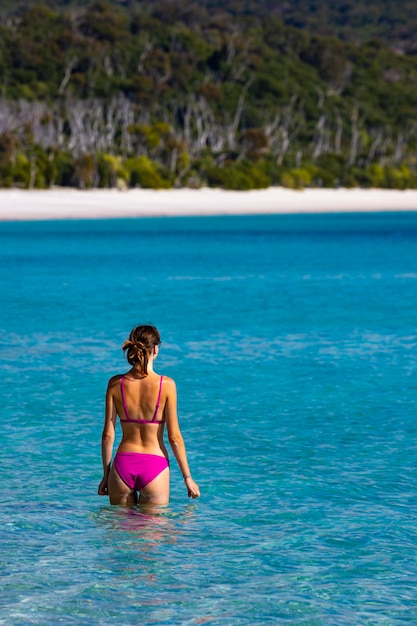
[170, 93]
[330, 171]
[64, 169]
[391, 22]
[85, 172]
[238, 175]
[145, 173]
[20, 171]
[104, 23]
[330, 58]
[296, 178]
[398, 177]
[111, 171]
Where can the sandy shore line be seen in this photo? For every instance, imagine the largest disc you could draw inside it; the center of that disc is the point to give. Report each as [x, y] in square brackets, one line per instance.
[18, 205]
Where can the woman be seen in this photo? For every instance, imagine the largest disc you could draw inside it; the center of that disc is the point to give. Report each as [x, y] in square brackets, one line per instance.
[145, 402]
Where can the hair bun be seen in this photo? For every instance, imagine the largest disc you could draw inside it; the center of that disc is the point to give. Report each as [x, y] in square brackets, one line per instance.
[140, 345]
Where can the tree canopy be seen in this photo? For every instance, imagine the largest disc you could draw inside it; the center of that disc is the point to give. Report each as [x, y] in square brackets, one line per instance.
[195, 93]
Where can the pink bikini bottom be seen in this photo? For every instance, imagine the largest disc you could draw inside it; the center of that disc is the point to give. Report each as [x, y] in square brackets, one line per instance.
[137, 470]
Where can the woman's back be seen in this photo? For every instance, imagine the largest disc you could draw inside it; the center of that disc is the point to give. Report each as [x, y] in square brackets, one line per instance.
[144, 401]
[140, 403]
[140, 393]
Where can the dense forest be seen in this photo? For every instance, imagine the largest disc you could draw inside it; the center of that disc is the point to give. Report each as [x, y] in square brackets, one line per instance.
[234, 94]
[393, 21]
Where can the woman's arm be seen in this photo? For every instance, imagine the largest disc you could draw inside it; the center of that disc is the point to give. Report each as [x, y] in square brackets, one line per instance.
[107, 440]
[176, 441]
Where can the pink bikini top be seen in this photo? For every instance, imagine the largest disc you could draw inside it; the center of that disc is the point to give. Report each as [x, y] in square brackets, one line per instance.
[158, 402]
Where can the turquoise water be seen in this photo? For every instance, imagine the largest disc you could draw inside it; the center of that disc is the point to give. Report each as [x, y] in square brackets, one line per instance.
[293, 343]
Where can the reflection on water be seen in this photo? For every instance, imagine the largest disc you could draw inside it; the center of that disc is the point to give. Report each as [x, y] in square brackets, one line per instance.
[154, 525]
[140, 546]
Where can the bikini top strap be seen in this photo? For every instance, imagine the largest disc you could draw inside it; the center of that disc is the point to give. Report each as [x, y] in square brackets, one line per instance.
[122, 382]
[158, 402]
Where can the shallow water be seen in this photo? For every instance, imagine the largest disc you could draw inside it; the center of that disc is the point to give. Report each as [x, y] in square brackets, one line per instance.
[293, 343]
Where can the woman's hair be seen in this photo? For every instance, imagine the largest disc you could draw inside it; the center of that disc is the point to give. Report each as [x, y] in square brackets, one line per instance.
[140, 345]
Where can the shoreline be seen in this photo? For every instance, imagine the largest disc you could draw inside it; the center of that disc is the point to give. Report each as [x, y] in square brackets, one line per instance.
[68, 203]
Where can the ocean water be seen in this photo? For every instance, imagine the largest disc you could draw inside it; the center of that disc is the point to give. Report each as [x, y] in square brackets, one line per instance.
[293, 343]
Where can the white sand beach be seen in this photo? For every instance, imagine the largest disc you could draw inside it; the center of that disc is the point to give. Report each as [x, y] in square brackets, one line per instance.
[18, 205]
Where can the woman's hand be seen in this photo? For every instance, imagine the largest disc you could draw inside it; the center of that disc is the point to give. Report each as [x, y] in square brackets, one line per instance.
[102, 488]
[192, 487]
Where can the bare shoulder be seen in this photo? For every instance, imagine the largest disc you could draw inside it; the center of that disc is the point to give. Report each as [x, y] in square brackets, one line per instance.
[113, 381]
[169, 383]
